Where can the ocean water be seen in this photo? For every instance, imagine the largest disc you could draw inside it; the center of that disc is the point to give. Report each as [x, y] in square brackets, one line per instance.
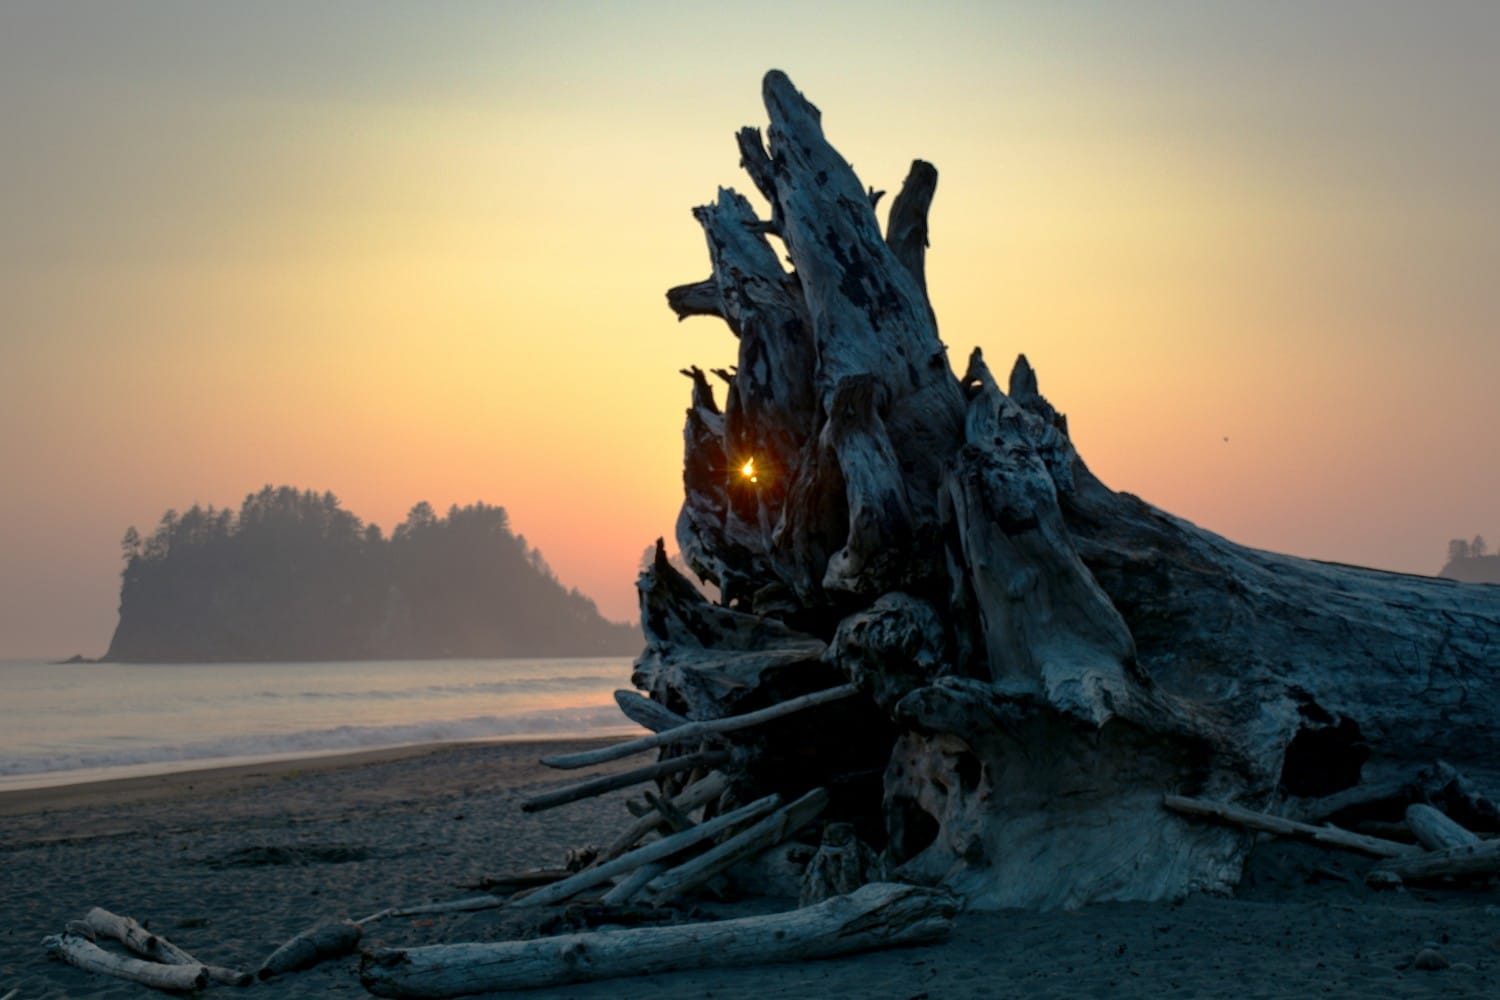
[64, 723]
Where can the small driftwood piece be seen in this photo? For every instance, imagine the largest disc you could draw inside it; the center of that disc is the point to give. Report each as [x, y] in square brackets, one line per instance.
[632, 884]
[654, 851]
[469, 904]
[843, 863]
[1481, 860]
[1330, 836]
[519, 880]
[611, 782]
[1434, 830]
[674, 817]
[646, 713]
[877, 916]
[102, 923]
[316, 944]
[699, 793]
[693, 730]
[77, 950]
[747, 843]
[12, 994]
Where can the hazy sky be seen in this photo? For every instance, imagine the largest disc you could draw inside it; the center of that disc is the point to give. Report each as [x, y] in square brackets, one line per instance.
[419, 251]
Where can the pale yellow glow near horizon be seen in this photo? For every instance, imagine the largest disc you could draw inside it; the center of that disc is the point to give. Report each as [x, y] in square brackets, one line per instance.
[420, 253]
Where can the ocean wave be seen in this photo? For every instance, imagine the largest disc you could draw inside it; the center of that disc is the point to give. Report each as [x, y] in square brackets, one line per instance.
[579, 721]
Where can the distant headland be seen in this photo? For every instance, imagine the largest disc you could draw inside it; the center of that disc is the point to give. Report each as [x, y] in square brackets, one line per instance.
[1471, 562]
[293, 576]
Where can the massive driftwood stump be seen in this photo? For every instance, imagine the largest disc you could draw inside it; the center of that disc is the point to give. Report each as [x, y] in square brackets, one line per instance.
[1040, 658]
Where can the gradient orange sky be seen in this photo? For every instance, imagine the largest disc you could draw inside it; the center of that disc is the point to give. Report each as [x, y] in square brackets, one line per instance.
[419, 251]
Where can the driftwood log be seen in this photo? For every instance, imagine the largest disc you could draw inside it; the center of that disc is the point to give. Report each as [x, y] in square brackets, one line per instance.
[1435, 831]
[83, 953]
[877, 916]
[102, 923]
[1039, 657]
[1468, 861]
[318, 943]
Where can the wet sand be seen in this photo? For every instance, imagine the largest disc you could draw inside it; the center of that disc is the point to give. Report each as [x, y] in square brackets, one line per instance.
[228, 863]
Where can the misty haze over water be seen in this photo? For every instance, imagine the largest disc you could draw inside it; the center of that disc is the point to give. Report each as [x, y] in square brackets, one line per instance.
[61, 723]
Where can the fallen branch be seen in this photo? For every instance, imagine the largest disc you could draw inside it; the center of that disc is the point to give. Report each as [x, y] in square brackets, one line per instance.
[746, 844]
[86, 955]
[882, 915]
[316, 944]
[646, 713]
[692, 730]
[1330, 836]
[138, 939]
[468, 904]
[1434, 830]
[1481, 860]
[699, 793]
[611, 782]
[633, 883]
[654, 851]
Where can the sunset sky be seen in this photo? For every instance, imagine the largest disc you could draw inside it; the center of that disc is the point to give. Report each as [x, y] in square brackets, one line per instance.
[419, 251]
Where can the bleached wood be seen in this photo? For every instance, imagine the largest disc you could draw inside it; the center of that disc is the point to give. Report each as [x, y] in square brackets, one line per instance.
[1434, 830]
[90, 957]
[647, 714]
[318, 943]
[696, 730]
[877, 916]
[1480, 860]
[469, 904]
[631, 885]
[154, 947]
[699, 793]
[612, 782]
[1330, 836]
[654, 851]
[749, 842]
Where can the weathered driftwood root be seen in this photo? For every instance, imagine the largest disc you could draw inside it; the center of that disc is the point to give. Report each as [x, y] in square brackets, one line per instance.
[657, 850]
[138, 939]
[1435, 831]
[318, 943]
[694, 730]
[648, 714]
[1470, 861]
[79, 951]
[611, 782]
[877, 916]
[749, 842]
[1330, 836]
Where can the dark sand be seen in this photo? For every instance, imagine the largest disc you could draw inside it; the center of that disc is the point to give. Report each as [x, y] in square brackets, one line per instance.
[231, 862]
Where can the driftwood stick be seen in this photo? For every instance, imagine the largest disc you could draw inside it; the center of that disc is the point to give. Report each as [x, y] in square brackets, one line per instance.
[518, 880]
[877, 916]
[86, 955]
[316, 944]
[12, 994]
[633, 883]
[693, 730]
[1481, 860]
[468, 904]
[1330, 836]
[747, 843]
[102, 923]
[611, 782]
[654, 851]
[674, 817]
[699, 793]
[648, 714]
[1434, 830]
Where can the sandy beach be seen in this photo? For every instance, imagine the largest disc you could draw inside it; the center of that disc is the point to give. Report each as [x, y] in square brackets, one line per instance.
[230, 862]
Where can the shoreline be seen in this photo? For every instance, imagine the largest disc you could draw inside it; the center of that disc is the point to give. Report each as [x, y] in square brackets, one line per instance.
[226, 778]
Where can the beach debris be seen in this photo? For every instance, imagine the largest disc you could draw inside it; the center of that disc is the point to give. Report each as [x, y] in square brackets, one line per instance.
[695, 730]
[1377, 879]
[879, 915]
[83, 953]
[1436, 831]
[1330, 836]
[648, 714]
[519, 880]
[624, 779]
[469, 904]
[1469, 861]
[1429, 959]
[700, 793]
[12, 994]
[102, 923]
[329, 939]
[746, 844]
[842, 864]
[1439, 785]
[656, 850]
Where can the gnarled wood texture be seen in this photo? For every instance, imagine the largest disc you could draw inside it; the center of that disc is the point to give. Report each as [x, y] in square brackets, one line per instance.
[1040, 658]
